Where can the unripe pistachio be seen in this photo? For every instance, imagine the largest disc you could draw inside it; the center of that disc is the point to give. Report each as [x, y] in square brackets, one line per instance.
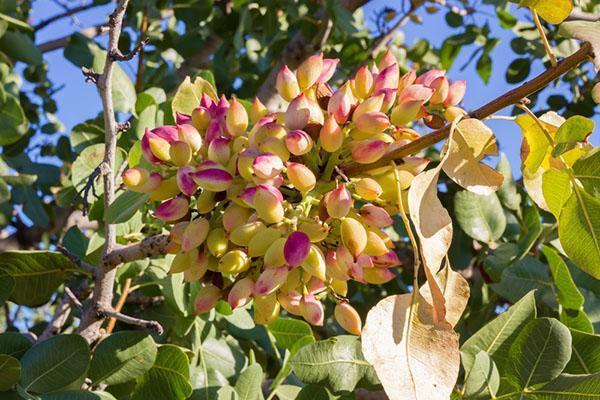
[205, 202]
[441, 89]
[260, 243]
[245, 161]
[375, 216]
[200, 118]
[234, 216]
[368, 189]
[234, 262]
[190, 135]
[375, 245]
[276, 146]
[266, 309]
[135, 176]
[312, 310]
[406, 112]
[172, 210]
[388, 78]
[242, 234]
[388, 260]
[270, 280]
[338, 202]
[317, 231]
[387, 60]
[340, 286]
[389, 99]
[207, 298]
[217, 242]
[348, 318]
[197, 270]
[267, 166]
[185, 180]
[340, 104]
[168, 188]
[329, 66]
[195, 234]
[368, 151]
[372, 122]
[213, 179]
[427, 78]
[167, 133]
[236, 118]
[407, 80]
[268, 207]
[183, 260]
[298, 142]
[290, 301]
[334, 268]
[160, 148]
[301, 177]
[239, 144]
[372, 104]
[315, 285]
[377, 276]
[314, 264]
[456, 93]
[354, 236]
[241, 292]
[180, 153]
[287, 84]
[275, 257]
[152, 183]
[219, 150]
[296, 248]
[363, 82]
[176, 233]
[181, 118]
[257, 110]
[331, 135]
[303, 111]
[309, 71]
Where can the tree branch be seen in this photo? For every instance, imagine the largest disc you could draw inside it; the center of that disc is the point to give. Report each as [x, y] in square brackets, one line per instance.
[67, 13]
[149, 247]
[510, 98]
[383, 40]
[61, 314]
[152, 325]
[61, 42]
[104, 279]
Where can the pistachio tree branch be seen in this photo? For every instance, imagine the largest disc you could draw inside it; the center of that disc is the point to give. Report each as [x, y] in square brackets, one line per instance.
[508, 99]
[104, 279]
[67, 13]
[147, 324]
[383, 40]
[149, 247]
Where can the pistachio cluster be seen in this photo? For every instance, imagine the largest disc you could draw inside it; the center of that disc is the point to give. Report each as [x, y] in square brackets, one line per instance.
[256, 205]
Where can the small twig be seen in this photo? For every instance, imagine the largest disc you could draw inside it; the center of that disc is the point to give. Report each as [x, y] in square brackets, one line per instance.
[90, 75]
[61, 314]
[139, 78]
[73, 299]
[123, 126]
[152, 325]
[382, 41]
[120, 303]
[73, 257]
[8, 319]
[89, 186]
[68, 13]
[540, 28]
[339, 171]
[116, 54]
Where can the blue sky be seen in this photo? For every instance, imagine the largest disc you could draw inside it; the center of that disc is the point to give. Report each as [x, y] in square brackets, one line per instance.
[78, 100]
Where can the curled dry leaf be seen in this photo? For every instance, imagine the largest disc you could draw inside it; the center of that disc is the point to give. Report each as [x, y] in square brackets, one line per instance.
[414, 358]
[456, 291]
[470, 142]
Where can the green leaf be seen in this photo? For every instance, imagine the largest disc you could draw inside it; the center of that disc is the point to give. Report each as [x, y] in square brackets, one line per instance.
[495, 337]
[7, 285]
[14, 344]
[287, 331]
[483, 379]
[125, 206]
[54, 363]
[524, 276]
[16, 22]
[518, 70]
[507, 193]
[576, 129]
[337, 362]
[78, 395]
[572, 387]
[587, 171]
[122, 357]
[556, 188]
[188, 95]
[13, 123]
[85, 164]
[579, 231]
[37, 274]
[167, 379]
[20, 47]
[248, 385]
[84, 135]
[287, 392]
[576, 319]
[484, 67]
[539, 353]
[481, 217]
[241, 319]
[84, 52]
[568, 294]
[10, 371]
[220, 355]
[586, 357]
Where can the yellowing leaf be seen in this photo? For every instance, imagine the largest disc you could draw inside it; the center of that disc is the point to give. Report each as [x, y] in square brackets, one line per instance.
[553, 11]
[414, 358]
[470, 142]
[189, 94]
[536, 148]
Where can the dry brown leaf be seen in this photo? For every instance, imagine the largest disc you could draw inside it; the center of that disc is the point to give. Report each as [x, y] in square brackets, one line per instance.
[470, 142]
[414, 358]
[455, 289]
